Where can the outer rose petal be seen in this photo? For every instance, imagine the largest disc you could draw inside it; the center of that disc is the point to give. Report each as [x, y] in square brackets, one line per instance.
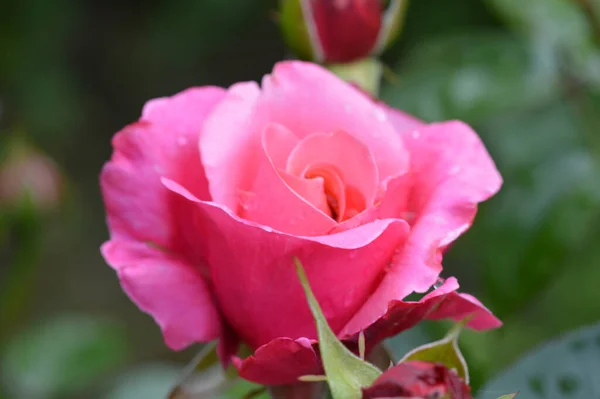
[256, 284]
[166, 288]
[307, 98]
[162, 143]
[280, 361]
[230, 144]
[442, 303]
[450, 173]
[141, 211]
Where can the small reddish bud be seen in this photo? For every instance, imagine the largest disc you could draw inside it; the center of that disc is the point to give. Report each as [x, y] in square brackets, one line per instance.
[340, 31]
[417, 379]
[27, 173]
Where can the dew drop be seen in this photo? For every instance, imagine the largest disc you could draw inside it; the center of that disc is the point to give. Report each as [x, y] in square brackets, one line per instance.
[454, 170]
[380, 115]
[182, 141]
[416, 134]
[347, 108]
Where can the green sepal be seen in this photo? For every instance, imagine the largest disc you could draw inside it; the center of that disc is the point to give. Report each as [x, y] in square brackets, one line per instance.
[346, 373]
[444, 351]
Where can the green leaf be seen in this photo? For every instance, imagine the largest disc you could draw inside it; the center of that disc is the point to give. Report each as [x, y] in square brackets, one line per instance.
[567, 367]
[61, 357]
[444, 351]
[346, 373]
[509, 396]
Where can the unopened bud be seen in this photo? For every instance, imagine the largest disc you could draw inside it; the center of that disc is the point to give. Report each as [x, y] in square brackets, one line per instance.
[340, 31]
[26, 173]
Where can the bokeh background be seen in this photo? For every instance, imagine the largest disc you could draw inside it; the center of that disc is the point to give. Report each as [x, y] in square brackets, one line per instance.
[524, 73]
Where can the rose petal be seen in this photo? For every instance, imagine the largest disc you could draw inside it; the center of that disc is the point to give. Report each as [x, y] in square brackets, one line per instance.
[348, 156]
[246, 257]
[402, 121]
[230, 144]
[163, 143]
[312, 190]
[442, 303]
[278, 142]
[272, 202]
[458, 306]
[281, 361]
[307, 98]
[142, 212]
[450, 173]
[168, 289]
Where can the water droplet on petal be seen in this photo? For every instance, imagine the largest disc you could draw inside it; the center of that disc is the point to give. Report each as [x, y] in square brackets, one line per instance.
[454, 170]
[416, 134]
[182, 141]
[380, 115]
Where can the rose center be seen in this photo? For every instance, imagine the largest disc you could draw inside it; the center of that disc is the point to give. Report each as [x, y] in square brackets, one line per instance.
[343, 200]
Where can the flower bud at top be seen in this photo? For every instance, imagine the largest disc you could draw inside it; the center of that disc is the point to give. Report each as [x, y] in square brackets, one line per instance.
[26, 172]
[339, 31]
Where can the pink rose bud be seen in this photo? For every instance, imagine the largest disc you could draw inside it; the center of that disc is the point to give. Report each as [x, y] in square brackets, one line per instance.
[417, 379]
[339, 31]
[26, 172]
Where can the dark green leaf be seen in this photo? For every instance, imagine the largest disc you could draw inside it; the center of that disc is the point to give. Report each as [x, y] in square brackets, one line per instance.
[567, 367]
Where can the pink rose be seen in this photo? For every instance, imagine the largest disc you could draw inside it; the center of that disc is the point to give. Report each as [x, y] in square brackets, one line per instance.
[213, 192]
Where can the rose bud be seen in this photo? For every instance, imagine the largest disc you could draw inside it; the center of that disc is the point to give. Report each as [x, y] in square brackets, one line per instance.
[28, 173]
[417, 379]
[213, 192]
[340, 31]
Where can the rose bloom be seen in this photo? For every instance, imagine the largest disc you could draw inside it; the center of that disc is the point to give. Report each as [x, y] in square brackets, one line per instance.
[419, 380]
[213, 191]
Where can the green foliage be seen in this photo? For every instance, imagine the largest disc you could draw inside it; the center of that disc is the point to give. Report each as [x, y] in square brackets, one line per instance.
[523, 72]
[444, 351]
[205, 377]
[563, 368]
[528, 84]
[155, 380]
[346, 373]
[61, 357]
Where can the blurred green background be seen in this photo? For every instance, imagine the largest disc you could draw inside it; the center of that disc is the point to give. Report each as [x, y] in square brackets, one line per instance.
[524, 73]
